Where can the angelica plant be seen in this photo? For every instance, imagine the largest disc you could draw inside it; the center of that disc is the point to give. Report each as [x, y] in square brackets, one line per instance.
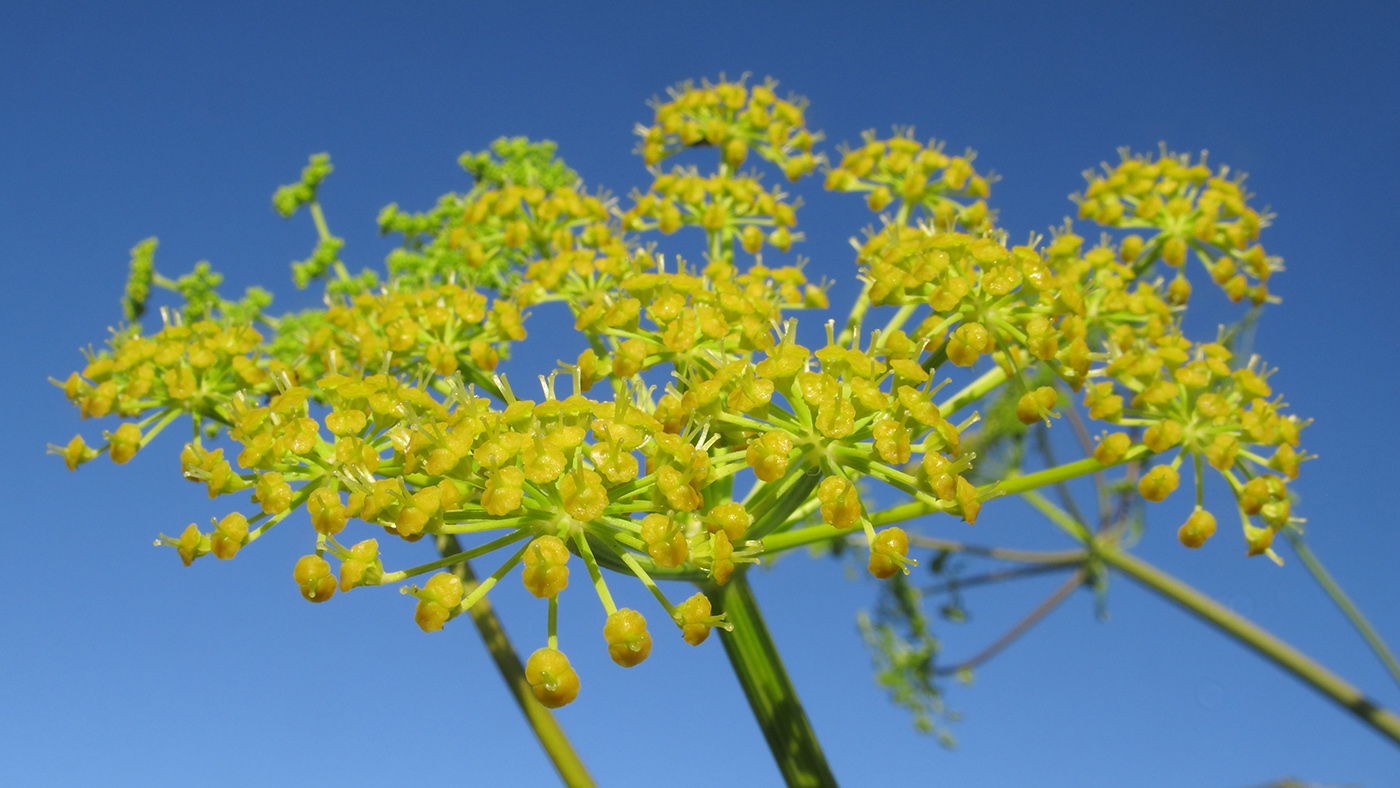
[697, 435]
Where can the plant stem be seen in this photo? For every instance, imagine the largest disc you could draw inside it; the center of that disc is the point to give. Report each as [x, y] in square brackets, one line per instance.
[853, 320]
[760, 671]
[556, 744]
[775, 543]
[1060, 473]
[1057, 557]
[973, 391]
[1022, 627]
[1353, 613]
[999, 576]
[1252, 635]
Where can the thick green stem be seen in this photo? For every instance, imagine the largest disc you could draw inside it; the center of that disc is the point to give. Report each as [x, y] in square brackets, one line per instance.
[776, 543]
[1252, 635]
[556, 744]
[770, 692]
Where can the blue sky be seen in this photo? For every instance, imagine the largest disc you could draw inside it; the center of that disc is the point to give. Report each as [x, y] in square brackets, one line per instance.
[118, 666]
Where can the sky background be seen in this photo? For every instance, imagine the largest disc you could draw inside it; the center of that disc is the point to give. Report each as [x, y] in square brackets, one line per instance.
[118, 666]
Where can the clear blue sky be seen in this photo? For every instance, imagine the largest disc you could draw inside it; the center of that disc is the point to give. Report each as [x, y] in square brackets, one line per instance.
[118, 666]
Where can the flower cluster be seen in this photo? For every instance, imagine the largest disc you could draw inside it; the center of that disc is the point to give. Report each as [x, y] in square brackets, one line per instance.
[945, 188]
[384, 410]
[735, 119]
[1187, 208]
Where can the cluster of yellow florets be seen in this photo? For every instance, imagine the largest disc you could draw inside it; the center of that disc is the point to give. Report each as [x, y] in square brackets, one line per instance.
[902, 169]
[735, 119]
[1191, 209]
[1188, 399]
[384, 410]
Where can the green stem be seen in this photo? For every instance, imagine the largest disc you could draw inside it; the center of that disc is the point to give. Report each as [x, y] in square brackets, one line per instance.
[897, 321]
[973, 391]
[853, 320]
[1353, 613]
[448, 559]
[1247, 632]
[1014, 485]
[1022, 627]
[1058, 516]
[775, 543]
[556, 744]
[990, 578]
[1056, 475]
[1060, 557]
[318, 217]
[771, 695]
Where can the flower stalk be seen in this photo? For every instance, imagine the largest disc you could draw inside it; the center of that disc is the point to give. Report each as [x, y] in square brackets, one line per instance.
[759, 668]
[551, 736]
[1261, 641]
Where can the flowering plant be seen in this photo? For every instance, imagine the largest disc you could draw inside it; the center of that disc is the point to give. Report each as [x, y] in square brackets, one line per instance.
[697, 434]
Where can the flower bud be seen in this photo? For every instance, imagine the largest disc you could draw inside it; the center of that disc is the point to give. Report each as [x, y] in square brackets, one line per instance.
[313, 577]
[768, 455]
[503, 493]
[665, 541]
[1174, 251]
[124, 443]
[966, 496]
[888, 553]
[328, 514]
[77, 452]
[1199, 527]
[840, 504]
[438, 601]
[968, 343]
[552, 680]
[229, 535]
[1256, 492]
[695, 619]
[1033, 403]
[732, 518]
[1222, 451]
[583, 494]
[628, 641]
[1259, 540]
[273, 493]
[1102, 402]
[1162, 436]
[363, 567]
[735, 151]
[751, 238]
[546, 566]
[1179, 290]
[1131, 247]
[1112, 447]
[721, 558]
[1285, 461]
[879, 198]
[192, 544]
[1158, 483]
